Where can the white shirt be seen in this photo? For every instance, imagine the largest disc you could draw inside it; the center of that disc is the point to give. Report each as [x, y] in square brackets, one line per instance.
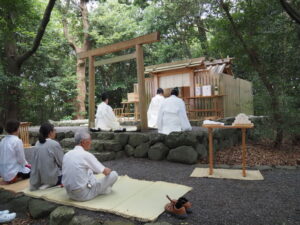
[153, 110]
[105, 118]
[12, 157]
[172, 116]
[78, 168]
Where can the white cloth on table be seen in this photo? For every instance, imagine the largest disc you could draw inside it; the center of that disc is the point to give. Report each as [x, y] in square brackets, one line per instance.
[105, 118]
[12, 157]
[153, 110]
[172, 116]
[78, 176]
[212, 122]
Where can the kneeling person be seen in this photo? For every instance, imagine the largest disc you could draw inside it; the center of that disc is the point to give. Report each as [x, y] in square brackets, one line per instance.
[78, 171]
[13, 165]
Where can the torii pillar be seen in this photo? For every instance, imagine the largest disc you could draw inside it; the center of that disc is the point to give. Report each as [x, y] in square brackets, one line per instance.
[139, 55]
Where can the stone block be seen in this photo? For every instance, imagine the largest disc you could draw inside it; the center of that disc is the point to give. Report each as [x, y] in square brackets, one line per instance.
[104, 156]
[97, 146]
[158, 151]
[136, 139]
[202, 151]
[112, 145]
[84, 220]
[61, 215]
[117, 222]
[69, 134]
[129, 150]
[68, 143]
[40, 208]
[105, 136]
[18, 204]
[183, 154]
[122, 138]
[6, 196]
[156, 137]
[141, 151]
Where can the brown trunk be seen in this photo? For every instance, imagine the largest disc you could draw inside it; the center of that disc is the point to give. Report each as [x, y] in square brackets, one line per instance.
[81, 89]
[202, 35]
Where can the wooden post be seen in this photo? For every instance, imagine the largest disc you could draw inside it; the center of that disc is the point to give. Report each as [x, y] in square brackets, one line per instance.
[211, 150]
[91, 92]
[244, 151]
[141, 85]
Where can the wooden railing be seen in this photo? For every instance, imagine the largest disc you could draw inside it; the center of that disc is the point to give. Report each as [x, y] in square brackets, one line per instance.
[24, 134]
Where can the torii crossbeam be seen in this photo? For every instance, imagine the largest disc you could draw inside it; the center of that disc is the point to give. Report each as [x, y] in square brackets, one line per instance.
[138, 55]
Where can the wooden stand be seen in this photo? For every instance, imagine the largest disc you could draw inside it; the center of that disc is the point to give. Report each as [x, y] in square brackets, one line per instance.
[243, 127]
[24, 134]
[136, 109]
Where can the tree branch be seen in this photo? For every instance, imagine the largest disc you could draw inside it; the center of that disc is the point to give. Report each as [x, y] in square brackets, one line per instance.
[291, 11]
[39, 35]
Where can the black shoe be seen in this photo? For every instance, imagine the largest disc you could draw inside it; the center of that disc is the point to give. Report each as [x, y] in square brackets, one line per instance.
[95, 130]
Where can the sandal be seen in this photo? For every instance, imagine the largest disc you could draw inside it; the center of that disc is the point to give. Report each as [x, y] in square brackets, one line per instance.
[182, 201]
[179, 213]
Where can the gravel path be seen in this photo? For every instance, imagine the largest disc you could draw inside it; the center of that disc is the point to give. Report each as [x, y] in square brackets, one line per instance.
[276, 200]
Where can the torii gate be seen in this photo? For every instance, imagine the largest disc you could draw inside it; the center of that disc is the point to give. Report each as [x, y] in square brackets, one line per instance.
[138, 55]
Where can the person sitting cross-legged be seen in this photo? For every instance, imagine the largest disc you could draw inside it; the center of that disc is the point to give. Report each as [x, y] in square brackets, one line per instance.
[78, 171]
[47, 162]
[13, 165]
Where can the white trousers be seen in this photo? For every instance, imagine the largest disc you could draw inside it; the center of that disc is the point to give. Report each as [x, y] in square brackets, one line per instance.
[98, 188]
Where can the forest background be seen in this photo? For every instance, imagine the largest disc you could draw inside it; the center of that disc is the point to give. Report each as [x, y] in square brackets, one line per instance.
[41, 78]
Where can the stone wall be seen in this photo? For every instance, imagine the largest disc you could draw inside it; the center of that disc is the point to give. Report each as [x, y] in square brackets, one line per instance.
[184, 147]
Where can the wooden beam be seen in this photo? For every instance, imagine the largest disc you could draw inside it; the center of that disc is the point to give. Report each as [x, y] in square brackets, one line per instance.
[91, 92]
[146, 39]
[141, 83]
[115, 59]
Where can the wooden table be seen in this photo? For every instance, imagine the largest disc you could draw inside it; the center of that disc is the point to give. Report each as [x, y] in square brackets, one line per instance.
[210, 128]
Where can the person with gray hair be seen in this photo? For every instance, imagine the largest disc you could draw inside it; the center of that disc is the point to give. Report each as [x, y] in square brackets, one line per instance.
[79, 167]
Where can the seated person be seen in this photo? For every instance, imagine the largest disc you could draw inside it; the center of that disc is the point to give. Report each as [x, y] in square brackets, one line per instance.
[47, 161]
[105, 117]
[172, 115]
[154, 107]
[13, 165]
[78, 171]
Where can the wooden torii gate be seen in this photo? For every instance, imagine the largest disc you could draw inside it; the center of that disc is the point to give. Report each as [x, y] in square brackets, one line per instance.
[138, 55]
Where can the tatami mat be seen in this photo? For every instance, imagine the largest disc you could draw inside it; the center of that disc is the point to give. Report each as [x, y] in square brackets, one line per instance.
[16, 187]
[139, 199]
[227, 174]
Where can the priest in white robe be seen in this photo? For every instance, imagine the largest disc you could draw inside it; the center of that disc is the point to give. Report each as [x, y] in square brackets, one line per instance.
[105, 117]
[154, 107]
[172, 115]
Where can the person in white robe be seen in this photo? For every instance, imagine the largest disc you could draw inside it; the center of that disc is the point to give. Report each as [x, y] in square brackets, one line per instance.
[172, 115]
[13, 165]
[78, 169]
[154, 107]
[105, 117]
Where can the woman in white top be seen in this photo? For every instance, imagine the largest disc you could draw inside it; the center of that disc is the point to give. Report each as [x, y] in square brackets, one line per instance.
[13, 165]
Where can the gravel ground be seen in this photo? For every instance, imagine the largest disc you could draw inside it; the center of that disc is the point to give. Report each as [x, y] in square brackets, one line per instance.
[276, 200]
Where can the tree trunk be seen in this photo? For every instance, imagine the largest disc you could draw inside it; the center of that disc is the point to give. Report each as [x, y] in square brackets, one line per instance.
[81, 89]
[202, 35]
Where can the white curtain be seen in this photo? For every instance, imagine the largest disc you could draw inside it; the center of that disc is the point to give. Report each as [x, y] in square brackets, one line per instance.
[176, 80]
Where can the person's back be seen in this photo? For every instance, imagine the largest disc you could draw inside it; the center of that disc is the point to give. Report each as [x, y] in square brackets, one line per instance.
[12, 157]
[154, 108]
[172, 115]
[105, 117]
[47, 162]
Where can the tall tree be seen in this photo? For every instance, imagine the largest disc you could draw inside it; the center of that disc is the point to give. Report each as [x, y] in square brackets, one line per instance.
[14, 55]
[79, 41]
[293, 13]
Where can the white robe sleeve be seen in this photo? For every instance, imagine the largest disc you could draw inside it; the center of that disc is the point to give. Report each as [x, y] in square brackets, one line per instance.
[94, 164]
[20, 155]
[159, 119]
[185, 123]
